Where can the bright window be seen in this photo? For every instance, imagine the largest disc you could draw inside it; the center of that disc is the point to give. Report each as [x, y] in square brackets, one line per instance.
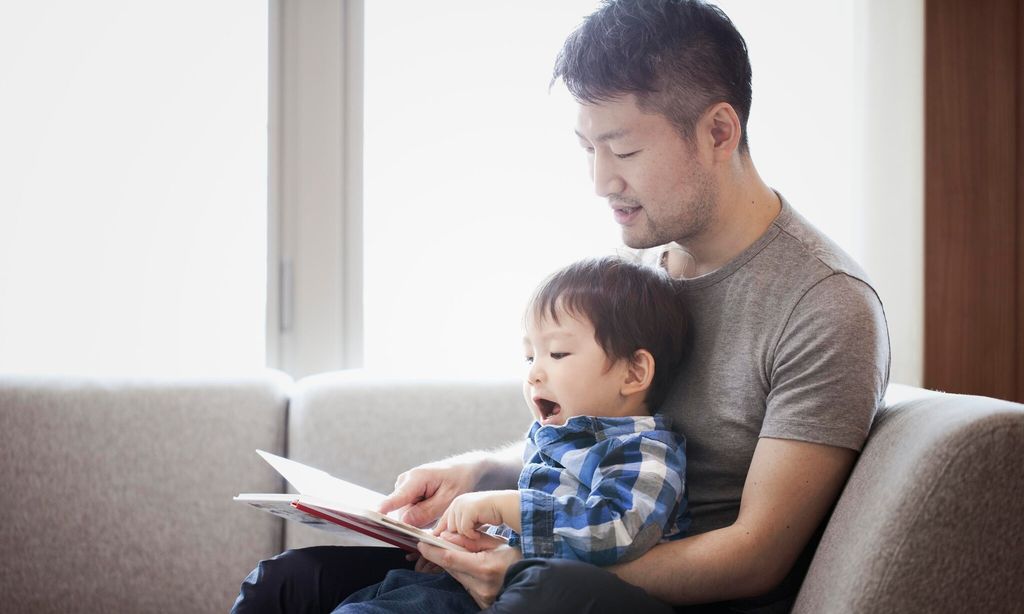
[133, 199]
[474, 186]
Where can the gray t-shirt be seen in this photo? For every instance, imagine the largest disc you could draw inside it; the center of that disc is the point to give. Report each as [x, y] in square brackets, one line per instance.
[790, 342]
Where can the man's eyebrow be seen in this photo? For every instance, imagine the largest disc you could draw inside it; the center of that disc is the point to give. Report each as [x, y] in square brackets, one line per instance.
[607, 136]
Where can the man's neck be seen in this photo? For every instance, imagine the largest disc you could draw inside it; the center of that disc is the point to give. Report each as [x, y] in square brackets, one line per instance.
[746, 208]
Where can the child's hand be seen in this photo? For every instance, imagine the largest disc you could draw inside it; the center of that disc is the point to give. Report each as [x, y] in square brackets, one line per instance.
[469, 511]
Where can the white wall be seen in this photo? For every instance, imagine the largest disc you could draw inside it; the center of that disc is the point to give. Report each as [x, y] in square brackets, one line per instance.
[891, 128]
[837, 126]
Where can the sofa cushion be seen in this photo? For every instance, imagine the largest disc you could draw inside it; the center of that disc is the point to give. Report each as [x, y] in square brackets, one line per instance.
[930, 520]
[117, 494]
[367, 429]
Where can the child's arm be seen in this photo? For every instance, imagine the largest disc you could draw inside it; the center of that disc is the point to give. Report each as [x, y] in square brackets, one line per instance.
[469, 511]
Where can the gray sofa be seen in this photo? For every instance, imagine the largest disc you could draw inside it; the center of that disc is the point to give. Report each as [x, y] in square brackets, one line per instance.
[117, 493]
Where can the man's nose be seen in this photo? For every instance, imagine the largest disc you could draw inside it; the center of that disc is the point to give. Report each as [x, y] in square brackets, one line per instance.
[607, 179]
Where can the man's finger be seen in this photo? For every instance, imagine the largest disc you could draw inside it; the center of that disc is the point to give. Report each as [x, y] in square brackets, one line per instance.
[402, 497]
[409, 493]
[452, 561]
[425, 512]
[434, 554]
[425, 566]
[391, 503]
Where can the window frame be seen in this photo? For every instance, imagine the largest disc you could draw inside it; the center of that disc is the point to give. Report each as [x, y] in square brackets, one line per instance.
[315, 245]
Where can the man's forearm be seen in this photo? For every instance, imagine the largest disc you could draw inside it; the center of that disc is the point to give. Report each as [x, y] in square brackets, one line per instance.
[499, 468]
[503, 467]
[714, 566]
[789, 489]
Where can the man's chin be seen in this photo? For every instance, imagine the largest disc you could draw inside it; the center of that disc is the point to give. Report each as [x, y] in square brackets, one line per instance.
[636, 242]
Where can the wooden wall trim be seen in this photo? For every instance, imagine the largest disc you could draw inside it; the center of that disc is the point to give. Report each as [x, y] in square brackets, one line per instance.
[1019, 308]
[973, 265]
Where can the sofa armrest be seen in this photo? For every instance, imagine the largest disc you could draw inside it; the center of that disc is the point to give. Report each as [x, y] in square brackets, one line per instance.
[932, 518]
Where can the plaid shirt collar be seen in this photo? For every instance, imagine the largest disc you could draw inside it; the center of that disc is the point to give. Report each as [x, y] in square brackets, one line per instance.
[596, 428]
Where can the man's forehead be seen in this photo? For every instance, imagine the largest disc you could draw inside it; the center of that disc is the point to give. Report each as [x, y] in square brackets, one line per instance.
[610, 135]
[608, 121]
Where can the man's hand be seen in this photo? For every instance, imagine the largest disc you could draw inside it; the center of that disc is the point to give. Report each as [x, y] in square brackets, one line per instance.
[470, 510]
[428, 490]
[480, 572]
[421, 564]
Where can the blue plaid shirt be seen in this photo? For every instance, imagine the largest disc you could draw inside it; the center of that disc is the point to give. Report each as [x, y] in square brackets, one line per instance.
[601, 490]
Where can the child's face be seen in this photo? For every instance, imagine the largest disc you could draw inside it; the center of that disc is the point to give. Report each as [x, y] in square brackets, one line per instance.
[568, 374]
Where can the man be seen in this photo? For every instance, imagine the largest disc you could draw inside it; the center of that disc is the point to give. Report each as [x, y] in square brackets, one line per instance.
[792, 339]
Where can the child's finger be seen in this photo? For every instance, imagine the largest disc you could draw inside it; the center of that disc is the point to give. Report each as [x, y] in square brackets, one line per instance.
[467, 526]
[442, 523]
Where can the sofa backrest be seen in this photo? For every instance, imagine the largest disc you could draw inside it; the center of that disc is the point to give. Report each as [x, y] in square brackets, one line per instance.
[931, 517]
[368, 429]
[116, 495]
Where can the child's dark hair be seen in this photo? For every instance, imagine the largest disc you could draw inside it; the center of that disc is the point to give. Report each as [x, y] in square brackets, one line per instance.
[631, 307]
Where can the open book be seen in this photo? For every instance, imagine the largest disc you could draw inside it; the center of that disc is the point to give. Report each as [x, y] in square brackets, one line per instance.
[326, 502]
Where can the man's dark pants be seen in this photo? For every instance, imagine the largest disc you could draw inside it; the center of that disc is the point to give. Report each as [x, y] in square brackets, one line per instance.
[316, 580]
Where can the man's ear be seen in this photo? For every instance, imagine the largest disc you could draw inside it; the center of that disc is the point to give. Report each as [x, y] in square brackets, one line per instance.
[639, 373]
[722, 124]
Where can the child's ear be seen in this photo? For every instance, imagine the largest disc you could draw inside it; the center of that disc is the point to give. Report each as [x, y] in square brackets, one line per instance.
[640, 373]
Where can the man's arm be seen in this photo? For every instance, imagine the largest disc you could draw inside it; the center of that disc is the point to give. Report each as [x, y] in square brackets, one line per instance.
[790, 487]
[427, 490]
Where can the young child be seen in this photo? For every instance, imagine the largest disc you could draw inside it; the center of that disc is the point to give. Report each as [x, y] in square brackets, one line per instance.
[603, 478]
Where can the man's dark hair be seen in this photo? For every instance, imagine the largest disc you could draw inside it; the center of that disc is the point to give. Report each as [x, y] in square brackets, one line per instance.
[678, 57]
[631, 307]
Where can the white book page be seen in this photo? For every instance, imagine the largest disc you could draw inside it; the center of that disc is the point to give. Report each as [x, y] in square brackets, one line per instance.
[322, 485]
[328, 494]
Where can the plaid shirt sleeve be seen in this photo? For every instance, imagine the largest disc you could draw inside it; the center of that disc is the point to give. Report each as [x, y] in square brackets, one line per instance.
[629, 494]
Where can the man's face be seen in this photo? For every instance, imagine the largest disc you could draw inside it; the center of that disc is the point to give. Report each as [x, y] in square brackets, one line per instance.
[568, 374]
[657, 187]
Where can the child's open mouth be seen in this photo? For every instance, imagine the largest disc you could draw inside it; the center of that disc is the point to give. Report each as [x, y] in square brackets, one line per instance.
[548, 409]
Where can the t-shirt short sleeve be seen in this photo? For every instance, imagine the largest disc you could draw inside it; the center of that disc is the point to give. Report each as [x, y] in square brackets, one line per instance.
[830, 366]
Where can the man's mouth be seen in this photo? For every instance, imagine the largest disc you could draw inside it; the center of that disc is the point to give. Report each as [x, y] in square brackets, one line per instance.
[624, 214]
[547, 408]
